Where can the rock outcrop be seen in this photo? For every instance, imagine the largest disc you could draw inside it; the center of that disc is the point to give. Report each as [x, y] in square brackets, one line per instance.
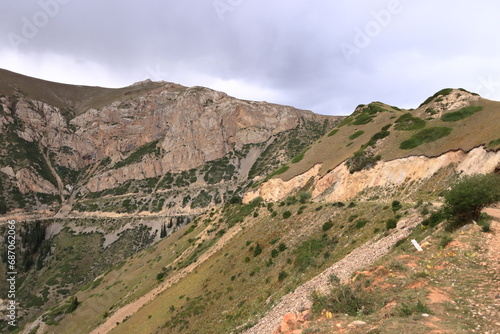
[340, 185]
[158, 129]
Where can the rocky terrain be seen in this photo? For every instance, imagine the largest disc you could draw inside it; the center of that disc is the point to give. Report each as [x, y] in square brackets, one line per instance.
[156, 208]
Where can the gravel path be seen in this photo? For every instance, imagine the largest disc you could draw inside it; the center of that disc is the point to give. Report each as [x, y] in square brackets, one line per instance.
[361, 257]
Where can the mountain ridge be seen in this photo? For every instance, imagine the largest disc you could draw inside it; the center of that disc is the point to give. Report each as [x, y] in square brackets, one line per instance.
[219, 195]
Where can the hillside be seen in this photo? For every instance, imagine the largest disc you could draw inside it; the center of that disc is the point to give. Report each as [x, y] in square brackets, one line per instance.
[100, 171]
[161, 211]
[379, 148]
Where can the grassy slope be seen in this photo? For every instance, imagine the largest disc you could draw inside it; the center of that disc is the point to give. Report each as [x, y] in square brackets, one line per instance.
[64, 96]
[214, 298]
[479, 129]
[455, 284]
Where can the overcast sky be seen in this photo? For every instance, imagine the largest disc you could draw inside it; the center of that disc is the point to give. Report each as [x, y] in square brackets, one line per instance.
[322, 55]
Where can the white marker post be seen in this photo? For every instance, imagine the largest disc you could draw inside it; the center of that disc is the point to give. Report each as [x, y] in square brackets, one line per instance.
[417, 246]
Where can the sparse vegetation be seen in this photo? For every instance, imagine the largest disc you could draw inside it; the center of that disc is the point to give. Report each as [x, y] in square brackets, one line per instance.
[343, 298]
[442, 92]
[362, 159]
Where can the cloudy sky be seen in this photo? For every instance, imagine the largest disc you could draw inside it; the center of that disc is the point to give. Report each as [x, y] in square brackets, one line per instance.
[322, 55]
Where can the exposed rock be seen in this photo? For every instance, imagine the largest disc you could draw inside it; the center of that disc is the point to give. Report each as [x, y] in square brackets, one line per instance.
[29, 180]
[8, 171]
[340, 185]
[357, 323]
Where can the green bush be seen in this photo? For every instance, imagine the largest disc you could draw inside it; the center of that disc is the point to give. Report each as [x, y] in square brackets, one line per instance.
[326, 226]
[356, 134]
[434, 219]
[282, 275]
[465, 200]
[442, 92]
[304, 197]
[460, 114]
[408, 122]
[344, 299]
[287, 214]
[307, 253]
[334, 131]
[396, 206]
[299, 156]
[362, 160]
[363, 119]
[405, 309]
[445, 240]
[425, 136]
[257, 250]
[361, 223]
[391, 223]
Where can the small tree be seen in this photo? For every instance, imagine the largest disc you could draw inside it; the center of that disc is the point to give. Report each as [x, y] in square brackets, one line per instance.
[465, 200]
[304, 197]
[163, 232]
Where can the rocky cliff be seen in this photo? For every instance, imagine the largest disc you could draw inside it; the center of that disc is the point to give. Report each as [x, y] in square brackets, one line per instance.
[146, 139]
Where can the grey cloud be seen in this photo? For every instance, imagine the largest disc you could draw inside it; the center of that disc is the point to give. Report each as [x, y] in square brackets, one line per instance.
[291, 48]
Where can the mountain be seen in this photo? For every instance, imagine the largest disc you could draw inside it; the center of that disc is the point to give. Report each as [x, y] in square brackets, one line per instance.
[380, 148]
[176, 149]
[158, 208]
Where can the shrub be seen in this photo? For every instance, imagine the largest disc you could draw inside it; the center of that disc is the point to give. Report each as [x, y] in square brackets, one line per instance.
[460, 114]
[73, 304]
[326, 226]
[361, 223]
[408, 122]
[425, 136]
[405, 309]
[257, 250]
[391, 223]
[363, 119]
[287, 214]
[299, 156]
[376, 137]
[356, 134]
[334, 131]
[485, 222]
[307, 253]
[434, 219]
[442, 92]
[445, 240]
[343, 298]
[396, 205]
[282, 275]
[362, 160]
[304, 197]
[465, 200]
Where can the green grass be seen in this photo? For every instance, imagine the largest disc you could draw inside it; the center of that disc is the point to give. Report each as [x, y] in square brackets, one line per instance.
[461, 113]
[442, 92]
[334, 131]
[494, 143]
[425, 136]
[299, 156]
[137, 155]
[408, 122]
[356, 134]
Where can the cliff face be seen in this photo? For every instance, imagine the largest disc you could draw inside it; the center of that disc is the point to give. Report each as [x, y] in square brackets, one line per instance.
[340, 185]
[167, 129]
